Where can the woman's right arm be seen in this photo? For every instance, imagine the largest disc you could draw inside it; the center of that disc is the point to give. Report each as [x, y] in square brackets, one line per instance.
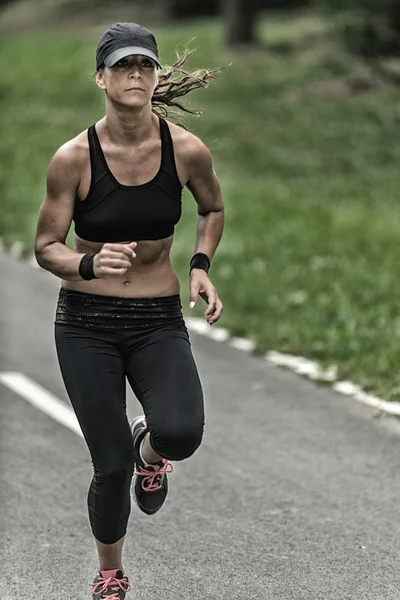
[55, 216]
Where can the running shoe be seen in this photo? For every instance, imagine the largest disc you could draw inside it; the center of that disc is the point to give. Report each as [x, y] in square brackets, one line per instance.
[150, 483]
[111, 585]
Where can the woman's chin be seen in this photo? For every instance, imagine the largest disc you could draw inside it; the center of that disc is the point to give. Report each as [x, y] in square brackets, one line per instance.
[132, 103]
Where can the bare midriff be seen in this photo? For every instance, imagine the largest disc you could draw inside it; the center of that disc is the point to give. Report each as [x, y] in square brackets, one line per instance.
[150, 276]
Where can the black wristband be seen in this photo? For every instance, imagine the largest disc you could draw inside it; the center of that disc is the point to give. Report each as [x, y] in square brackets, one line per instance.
[86, 267]
[200, 261]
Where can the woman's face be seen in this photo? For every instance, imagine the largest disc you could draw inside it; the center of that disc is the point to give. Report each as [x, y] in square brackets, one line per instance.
[130, 82]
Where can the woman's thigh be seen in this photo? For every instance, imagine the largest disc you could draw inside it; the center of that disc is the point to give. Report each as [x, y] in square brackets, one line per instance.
[163, 375]
[93, 372]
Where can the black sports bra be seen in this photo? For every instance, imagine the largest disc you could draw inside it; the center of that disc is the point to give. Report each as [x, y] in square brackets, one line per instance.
[113, 212]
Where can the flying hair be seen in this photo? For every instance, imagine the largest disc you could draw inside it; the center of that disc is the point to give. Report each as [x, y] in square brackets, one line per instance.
[175, 83]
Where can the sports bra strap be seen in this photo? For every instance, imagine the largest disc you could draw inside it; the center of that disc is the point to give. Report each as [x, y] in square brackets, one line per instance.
[168, 157]
[96, 162]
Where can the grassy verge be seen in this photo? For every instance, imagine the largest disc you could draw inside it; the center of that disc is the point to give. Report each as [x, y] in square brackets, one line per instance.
[309, 259]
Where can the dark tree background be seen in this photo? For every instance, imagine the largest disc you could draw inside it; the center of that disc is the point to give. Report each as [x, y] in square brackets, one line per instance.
[240, 16]
[369, 28]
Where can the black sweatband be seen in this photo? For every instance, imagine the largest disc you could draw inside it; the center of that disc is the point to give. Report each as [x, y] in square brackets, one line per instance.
[86, 267]
[200, 261]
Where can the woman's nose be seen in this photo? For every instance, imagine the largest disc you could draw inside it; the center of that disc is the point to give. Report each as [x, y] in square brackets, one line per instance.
[134, 71]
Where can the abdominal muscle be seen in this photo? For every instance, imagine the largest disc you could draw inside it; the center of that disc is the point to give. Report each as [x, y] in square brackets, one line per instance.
[150, 276]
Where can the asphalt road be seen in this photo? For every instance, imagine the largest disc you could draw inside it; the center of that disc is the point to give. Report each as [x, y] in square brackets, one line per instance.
[294, 493]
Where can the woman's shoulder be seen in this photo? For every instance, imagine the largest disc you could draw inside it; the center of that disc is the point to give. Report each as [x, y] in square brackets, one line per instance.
[72, 152]
[76, 146]
[186, 144]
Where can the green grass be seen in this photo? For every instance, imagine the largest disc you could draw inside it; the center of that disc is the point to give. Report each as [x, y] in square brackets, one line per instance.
[310, 256]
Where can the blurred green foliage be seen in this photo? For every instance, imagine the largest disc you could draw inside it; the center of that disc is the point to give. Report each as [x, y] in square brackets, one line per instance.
[308, 262]
[369, 28]
[182, 9]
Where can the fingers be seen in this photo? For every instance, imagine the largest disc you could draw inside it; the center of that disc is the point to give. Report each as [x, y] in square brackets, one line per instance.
[126, 249]
[107, 272]
[106, 269]
[217, 312]
[211, 300]
[116, 263]
[114, 260]
[214, 306]
[194, 294]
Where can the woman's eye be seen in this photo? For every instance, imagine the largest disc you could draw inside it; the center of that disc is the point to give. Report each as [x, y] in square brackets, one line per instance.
[124, 64]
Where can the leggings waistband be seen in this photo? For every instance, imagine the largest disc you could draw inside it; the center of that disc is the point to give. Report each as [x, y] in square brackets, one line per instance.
[115, 312]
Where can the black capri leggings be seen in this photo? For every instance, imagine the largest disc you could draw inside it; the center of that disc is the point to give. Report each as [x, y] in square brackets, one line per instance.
[100, 341]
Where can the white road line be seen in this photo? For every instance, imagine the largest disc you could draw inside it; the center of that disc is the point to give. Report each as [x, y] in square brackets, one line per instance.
[17, 249]
[41, 399]
[302, 366]
[242, 344]
[349, 389]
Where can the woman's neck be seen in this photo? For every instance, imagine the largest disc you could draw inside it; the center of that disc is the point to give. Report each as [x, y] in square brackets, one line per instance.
[129, 126]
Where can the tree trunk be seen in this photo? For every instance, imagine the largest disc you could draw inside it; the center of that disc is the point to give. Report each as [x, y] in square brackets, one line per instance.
[241, 21]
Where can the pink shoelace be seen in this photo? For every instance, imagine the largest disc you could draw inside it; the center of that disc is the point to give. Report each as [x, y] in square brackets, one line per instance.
[152, 475]
[117, 584]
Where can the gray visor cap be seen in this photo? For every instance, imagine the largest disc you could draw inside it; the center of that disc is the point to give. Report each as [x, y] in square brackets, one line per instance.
[115, 56]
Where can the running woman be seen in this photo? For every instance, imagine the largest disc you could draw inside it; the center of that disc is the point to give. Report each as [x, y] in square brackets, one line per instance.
[119, 311]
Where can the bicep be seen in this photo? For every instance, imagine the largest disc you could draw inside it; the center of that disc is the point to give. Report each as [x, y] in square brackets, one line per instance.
[204, 184]
[57, 208]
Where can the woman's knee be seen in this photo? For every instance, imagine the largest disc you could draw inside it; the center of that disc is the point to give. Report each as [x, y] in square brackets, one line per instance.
[110, 489]
[177, 442]
[115, 465]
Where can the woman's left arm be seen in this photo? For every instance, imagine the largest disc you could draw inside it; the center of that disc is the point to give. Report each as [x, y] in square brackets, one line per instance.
[204, 186]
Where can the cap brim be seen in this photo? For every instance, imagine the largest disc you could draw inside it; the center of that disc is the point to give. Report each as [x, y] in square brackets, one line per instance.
[115, 56]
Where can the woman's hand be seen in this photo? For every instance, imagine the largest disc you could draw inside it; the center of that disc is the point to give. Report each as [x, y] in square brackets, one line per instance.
[200, 284]
[114, 260]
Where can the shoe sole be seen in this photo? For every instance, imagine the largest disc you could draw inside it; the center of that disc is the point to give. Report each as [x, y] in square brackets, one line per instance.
[134, 423]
